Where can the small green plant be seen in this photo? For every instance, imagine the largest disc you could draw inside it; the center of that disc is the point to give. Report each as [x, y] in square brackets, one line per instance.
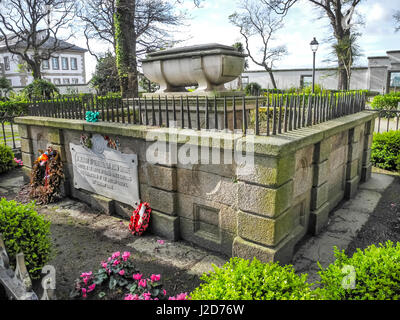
[252, 89]
[6, 158]
[240, 279]
[385, 150]
[24, 230]
[40, 89]
[372, 274]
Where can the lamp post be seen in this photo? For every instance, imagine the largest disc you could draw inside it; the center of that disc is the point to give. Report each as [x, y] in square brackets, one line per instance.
[314, 47]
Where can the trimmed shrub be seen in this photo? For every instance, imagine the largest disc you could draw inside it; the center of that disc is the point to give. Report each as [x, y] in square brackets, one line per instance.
[40, 88]
[240, 279]
[385, 150]
[24, 230]
[252, 89]
[6, 158]
[375, 272]
[388, 101]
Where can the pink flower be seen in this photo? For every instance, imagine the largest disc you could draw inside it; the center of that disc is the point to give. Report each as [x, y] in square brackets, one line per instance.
[142, 283]
[86, 274]
[126, 255]
[137, 276]
[116, 262]
[92, 287]
[104, 265]
[147, 296]
[161, 241]
[115, 255]
[84, 293]
[155, 277]
[122, 272]
[181, 296]
[164, 292]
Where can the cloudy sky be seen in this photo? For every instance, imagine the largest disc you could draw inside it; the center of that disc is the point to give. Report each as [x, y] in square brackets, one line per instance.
[210, 24]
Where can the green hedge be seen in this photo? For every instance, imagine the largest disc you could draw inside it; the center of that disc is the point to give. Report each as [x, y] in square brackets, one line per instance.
[372, 274]
[24, 230]
[241, 279]
[388, 101]
[6, 158]
[385, 150]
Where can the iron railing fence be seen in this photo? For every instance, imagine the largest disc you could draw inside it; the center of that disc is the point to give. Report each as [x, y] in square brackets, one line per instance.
[387, 120]
[261, 115]
[9, 132]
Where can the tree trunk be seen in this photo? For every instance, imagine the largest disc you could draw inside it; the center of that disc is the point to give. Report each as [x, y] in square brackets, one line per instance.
[125, 39]
[36, 72]
[342, 77]
[271, 76]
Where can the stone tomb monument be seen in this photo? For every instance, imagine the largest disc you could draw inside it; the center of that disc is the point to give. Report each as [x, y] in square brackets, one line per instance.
[207, 66]
[105, 171]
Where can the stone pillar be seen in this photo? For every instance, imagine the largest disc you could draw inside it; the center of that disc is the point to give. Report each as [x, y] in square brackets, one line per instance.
[27, 153]
[366, 169]
[162, 196]
[265, 217]
[353, 162]
[319, 194]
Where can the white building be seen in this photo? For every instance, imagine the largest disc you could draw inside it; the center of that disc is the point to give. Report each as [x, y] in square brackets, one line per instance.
[381, 75]
[65, 68]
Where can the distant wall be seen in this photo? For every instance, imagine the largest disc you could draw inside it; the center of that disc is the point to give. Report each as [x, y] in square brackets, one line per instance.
[296, 179]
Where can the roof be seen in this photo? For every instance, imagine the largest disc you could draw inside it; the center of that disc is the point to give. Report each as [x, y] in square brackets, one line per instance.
[63, 45]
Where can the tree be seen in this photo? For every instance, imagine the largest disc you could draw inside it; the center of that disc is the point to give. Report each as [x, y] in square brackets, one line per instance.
[261, 22]
[105, 78]
[132, 28]
[5, 87]
[340, 15]
[30, 29]
[239, 47]
[397, 20]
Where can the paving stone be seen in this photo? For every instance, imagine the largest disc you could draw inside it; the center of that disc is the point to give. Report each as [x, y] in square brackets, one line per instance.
[378, 182]
[177, 254]
[205, 265]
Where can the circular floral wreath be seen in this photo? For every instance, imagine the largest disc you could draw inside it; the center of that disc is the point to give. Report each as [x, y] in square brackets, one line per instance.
[140, 219]
[46, 176]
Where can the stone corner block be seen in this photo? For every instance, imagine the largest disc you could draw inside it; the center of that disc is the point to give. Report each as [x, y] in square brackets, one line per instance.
[161, 177]
[352, 187]
[164, 225]
[163, 201]
[97, 202]
[26, 145]
[270, 202]
[282, 253]
[23, 131]
[27, 159]
[54, 136]
[265, 231]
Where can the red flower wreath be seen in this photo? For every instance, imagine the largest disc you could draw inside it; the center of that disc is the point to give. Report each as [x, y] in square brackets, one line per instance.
[140, 219]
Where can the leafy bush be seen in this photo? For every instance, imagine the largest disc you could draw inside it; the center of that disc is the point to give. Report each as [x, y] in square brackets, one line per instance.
[385, 150]
[252, 89]
[6, 158]
[376, 273]
[41, 89]
[386, 102]
[24, 230]
[239, 279]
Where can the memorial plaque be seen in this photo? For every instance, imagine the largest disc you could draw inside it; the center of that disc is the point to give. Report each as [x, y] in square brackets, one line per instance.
[106, 171]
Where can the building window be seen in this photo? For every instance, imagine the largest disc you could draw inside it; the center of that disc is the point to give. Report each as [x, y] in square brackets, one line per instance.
[64, 63]
[6, 63]
[55, 63]
[65, 81]
[57, 81]
[395, 79]
[305, 81]
[75, 80]
[45, 64]
[74, 64]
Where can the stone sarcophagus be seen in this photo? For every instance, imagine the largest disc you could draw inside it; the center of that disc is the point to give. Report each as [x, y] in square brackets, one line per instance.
[207, 66]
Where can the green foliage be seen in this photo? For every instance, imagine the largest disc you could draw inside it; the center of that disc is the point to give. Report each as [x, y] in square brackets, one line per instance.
[24, 230]
[5, 88]
[239, 279]
[252, 89]
[385, 150]
[376, 273]
[6, 158]
[41, 89]
[105, 78]
[388, 101]
[317, 89]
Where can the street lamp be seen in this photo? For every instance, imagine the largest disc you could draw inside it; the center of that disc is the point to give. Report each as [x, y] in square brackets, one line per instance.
[314, 47]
